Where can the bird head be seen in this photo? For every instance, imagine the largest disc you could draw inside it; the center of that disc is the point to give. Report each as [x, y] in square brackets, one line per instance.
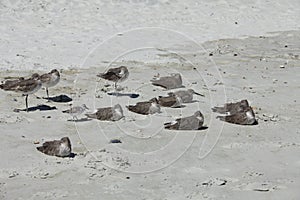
[198, 114]
[85, 107]
[35, 76]
[66, 140]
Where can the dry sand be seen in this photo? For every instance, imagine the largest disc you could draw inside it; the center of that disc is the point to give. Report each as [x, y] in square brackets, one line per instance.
[225, 161]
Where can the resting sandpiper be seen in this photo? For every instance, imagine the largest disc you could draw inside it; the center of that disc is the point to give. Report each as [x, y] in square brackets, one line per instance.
[186, 96]
[76, 111]
[145, 108]
[114, 113]
[115, 75]
[168, 82]
[194, 122]
[59, 148]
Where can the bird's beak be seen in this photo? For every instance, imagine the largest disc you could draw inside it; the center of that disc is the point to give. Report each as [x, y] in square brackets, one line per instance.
[199, 94]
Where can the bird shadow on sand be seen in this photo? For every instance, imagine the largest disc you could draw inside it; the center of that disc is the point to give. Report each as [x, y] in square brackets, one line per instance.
[200, 129]
[117, 94]
[194, 101]
[59, 99]
[203, 128]
[72, 155]
[35, 108]
[79, 120]
[253, 124]
[181, 106]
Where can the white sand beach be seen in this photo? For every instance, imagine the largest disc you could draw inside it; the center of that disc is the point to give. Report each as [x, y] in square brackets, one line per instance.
[227, 51]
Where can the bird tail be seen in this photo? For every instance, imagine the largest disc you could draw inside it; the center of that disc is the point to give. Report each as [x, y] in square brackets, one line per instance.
[222, 118]
[5, 87]
[41, 149]
[91, 115]
[220, 110]
[167, 125]
[214, 109]
[100, 74]
[135, 110]
[130, 107]
[155, 82]
[170, 125]
[159, 84]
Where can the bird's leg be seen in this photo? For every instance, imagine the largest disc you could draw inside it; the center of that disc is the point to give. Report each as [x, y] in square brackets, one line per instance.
[26, 102]
[75, 118]
[47, 93]
[196, 93]
[116, 89]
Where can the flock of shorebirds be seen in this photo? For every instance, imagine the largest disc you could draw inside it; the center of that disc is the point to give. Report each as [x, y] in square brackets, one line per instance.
[32, 84]
[237, 113]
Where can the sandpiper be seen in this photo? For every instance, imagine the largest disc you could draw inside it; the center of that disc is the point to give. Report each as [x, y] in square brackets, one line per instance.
[59, 148]
[170, 101]
[186, 96]
[236, 113]
[75, 111]
[114, 113]
[242, 117]
[12, 81]
[50, 79]
[25, 87]
[231, 108]
[115, 75]
[194, 122]
[168, 82]
[145, 108]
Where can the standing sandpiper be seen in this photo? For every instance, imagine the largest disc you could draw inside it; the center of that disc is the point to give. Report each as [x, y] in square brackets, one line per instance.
[25, 87]
[75, 111]
[50, 79]
[115, 75]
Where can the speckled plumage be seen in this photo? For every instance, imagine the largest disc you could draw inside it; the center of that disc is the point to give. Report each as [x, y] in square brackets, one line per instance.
[114, 113]
[145, 108]
[59, 148]
[194, 122]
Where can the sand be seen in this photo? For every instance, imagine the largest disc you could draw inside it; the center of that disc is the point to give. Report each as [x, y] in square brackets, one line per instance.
[226, 56]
